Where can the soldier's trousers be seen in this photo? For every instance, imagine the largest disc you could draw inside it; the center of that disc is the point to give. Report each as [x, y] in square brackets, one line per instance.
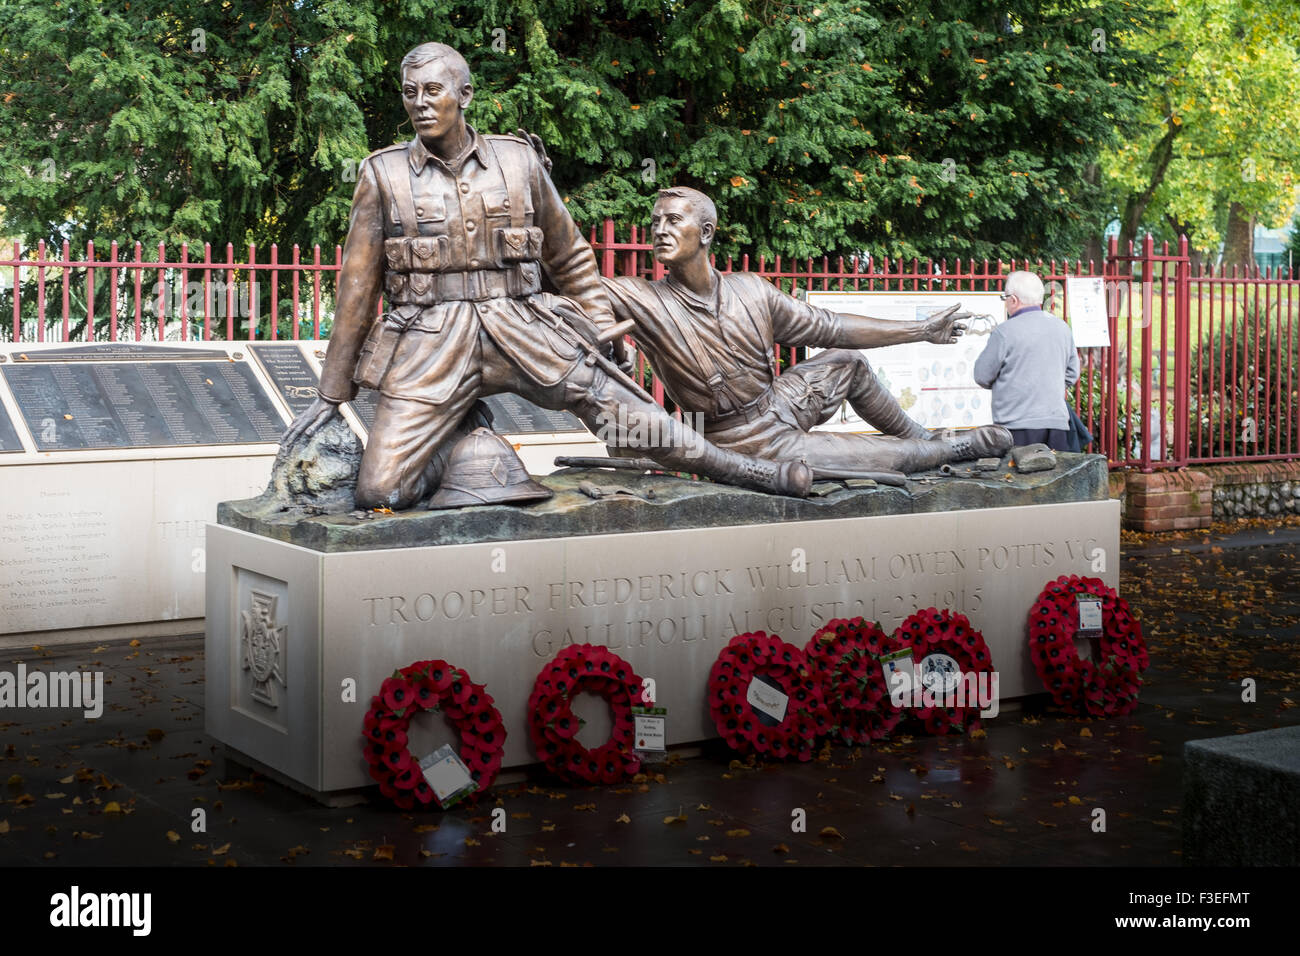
[810, 394]
[410, 440]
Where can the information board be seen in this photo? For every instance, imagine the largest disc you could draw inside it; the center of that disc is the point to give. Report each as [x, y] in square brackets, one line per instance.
[289, 371]
[934, 384]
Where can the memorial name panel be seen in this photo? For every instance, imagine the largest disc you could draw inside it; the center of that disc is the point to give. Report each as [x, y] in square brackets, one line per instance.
[9, 440]
[142, 404]
[56, 558]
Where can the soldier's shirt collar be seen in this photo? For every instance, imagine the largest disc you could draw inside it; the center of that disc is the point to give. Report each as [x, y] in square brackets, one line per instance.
[418, 155]
[710, 304]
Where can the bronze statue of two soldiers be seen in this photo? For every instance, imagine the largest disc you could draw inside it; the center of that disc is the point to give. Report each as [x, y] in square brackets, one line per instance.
[455, 228]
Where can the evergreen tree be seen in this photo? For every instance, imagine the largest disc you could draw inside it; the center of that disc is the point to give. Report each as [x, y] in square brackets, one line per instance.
[934, 127]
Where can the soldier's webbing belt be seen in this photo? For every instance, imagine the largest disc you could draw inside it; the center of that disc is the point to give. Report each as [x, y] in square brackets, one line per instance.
[430, 288]
[748, 412]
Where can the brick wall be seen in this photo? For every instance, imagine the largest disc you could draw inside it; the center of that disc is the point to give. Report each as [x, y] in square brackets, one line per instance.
[1169, 500]
[1191, 498]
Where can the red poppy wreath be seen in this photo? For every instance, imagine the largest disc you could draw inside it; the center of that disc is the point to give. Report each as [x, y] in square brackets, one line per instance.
[948, 655]
[790, 712]
[1105, 687]
[843, 659]
[553, 726]
[430, 686]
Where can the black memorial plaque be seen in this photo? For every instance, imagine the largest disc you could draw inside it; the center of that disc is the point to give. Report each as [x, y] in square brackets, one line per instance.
[512, 415]
[116, 352]
[9, 441]
[144, 404]
[289, 372]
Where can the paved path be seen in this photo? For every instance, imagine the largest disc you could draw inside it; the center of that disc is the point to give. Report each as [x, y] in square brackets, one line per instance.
[1217, 608]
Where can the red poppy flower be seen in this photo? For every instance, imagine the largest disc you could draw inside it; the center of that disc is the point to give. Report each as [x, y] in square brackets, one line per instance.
[397, 693]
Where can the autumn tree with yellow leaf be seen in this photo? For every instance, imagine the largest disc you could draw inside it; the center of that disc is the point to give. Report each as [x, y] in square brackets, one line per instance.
[1218, 150]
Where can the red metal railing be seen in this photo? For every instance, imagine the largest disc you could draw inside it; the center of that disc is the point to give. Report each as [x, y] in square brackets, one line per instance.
[1201, 367]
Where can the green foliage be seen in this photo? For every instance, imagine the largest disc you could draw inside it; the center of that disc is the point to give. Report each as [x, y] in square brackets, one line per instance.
[927, 127]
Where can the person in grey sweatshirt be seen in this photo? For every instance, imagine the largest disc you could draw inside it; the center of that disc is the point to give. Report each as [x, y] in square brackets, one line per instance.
[1029, 362]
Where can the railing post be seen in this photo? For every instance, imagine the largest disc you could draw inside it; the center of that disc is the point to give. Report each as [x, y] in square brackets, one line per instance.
[1182, 351]
[607, 249]
[18, 285]
[1144, 377]
[1110, 268]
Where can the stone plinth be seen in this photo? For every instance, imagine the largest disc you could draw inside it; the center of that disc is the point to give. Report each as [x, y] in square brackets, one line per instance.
[677, 503]
[1241, 800]
[664, 582]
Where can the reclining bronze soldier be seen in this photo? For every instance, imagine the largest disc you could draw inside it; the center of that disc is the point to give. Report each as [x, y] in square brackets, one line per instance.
[709, 337]
[455, 228]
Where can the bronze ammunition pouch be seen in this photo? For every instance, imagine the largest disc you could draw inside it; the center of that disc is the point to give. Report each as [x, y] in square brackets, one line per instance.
[381, 344]
[518, 244]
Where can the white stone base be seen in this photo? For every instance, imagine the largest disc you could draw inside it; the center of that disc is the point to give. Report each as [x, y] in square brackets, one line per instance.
[666, 601]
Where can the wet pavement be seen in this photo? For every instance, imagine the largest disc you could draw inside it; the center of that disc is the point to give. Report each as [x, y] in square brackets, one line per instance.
[1216, 608]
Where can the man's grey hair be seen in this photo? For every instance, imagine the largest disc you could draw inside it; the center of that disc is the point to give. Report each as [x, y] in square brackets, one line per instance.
[428, 52]
[1026, 287]
[701, 205]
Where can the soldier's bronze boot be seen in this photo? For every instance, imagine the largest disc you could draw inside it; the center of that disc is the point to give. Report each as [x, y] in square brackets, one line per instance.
[793, 478]
[987, 441]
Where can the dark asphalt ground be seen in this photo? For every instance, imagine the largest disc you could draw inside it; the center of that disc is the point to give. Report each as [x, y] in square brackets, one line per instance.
[1216, 608]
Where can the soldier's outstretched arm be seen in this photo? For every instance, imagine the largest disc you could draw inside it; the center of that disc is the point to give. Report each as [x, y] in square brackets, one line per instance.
[797, 323]
[864, 332]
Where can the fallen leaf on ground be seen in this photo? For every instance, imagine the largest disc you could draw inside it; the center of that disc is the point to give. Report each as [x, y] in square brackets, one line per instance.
[384, 852]
[830, 833]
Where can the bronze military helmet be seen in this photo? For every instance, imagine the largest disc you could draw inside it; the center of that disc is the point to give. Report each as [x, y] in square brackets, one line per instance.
[484, 470]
